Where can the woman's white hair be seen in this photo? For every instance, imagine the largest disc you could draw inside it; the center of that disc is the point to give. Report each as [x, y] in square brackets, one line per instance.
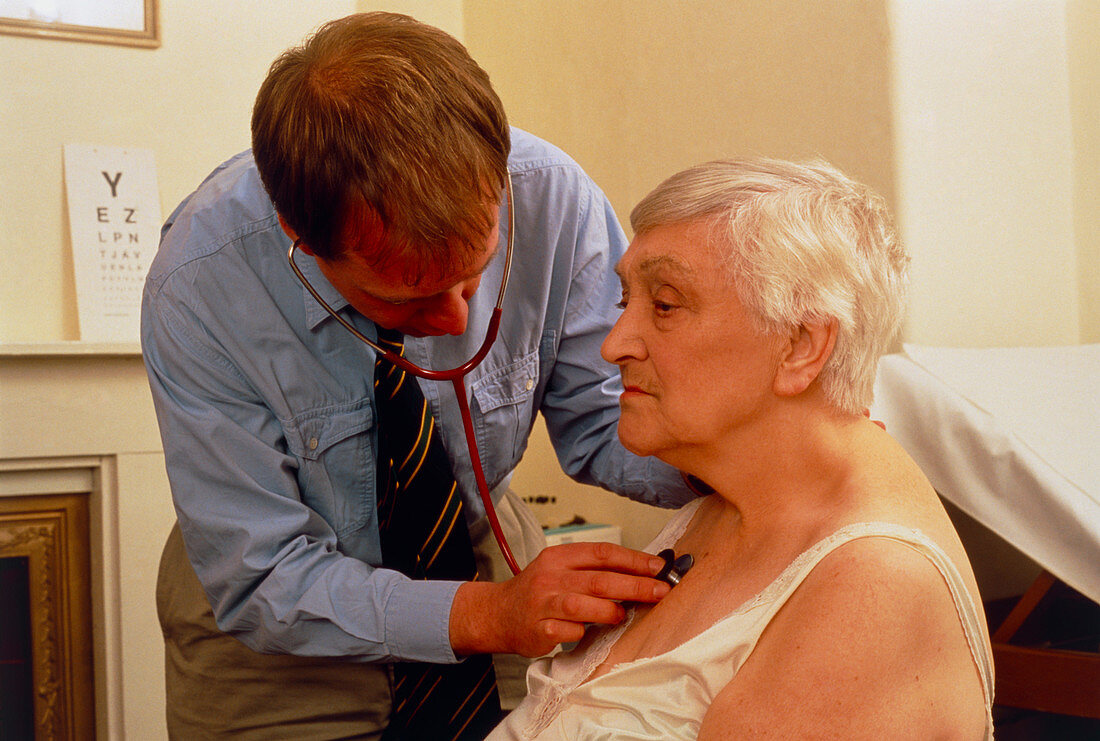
[803, 244]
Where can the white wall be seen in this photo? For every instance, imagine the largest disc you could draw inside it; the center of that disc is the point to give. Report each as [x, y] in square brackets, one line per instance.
[985, 171]
[190, 102]
[94, 412]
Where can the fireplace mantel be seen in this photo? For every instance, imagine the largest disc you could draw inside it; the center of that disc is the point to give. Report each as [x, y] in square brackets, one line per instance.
[78, 418]
[67, 348]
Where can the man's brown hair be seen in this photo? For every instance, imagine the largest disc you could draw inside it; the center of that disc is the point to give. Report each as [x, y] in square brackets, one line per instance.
[381, 126]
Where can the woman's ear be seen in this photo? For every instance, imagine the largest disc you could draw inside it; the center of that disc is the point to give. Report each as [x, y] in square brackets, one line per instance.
[807, 348]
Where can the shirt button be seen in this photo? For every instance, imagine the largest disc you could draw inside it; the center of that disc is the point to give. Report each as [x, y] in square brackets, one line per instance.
[530, 384]
[313, 443]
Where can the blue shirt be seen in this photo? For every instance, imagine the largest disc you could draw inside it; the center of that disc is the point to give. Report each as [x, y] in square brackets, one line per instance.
[267, 414]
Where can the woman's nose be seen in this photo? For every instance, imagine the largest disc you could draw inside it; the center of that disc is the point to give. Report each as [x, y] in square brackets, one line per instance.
[621, 343]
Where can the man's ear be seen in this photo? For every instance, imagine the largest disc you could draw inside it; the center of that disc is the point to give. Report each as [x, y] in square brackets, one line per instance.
[808, 347]
[294, 236]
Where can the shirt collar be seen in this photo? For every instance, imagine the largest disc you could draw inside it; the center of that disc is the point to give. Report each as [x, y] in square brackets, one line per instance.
[315, 313]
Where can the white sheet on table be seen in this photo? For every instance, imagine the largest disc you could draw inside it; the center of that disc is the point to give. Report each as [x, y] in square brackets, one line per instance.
[1012, 437]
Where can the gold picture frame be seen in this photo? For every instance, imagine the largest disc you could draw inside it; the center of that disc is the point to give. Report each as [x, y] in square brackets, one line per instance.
[122, 22]
[50, 533]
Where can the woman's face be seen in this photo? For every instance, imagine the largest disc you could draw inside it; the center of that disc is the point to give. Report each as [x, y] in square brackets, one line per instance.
[694, 370]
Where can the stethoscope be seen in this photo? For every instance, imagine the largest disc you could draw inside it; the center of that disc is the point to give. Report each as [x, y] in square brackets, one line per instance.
[674, 568]
[454, 375]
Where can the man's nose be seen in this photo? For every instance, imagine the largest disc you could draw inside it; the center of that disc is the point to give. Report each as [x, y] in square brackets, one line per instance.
[451, 311]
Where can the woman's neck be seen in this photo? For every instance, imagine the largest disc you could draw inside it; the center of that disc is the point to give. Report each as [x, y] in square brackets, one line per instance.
[794, 468]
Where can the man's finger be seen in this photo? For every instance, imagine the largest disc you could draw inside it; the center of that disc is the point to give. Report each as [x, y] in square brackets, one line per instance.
[605, 557]
[622, 587]
[559, 631]
[582, 608]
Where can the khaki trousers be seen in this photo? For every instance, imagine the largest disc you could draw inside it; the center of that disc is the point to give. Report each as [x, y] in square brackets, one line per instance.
[219, 688]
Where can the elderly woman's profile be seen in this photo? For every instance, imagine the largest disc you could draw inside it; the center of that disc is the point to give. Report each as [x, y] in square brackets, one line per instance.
[830, 596]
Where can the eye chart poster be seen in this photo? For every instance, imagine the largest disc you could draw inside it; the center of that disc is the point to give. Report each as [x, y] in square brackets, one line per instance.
[114, 220]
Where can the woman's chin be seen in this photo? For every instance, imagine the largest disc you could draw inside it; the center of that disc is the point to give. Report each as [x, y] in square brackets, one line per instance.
[636, 441]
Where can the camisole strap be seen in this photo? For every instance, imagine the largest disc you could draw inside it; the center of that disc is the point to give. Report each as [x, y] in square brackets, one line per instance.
[965, 608]
[968, 613]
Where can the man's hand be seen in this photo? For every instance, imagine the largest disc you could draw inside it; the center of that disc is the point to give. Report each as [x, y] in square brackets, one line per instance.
[551, 601]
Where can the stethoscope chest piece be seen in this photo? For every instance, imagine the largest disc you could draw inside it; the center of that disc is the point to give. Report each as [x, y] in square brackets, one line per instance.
[675, 566]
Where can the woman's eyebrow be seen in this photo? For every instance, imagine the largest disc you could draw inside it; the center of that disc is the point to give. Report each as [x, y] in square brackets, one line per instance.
[656, 264]
[664, 262]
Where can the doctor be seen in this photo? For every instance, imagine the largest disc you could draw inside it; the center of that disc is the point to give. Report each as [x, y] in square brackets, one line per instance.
[320, 583]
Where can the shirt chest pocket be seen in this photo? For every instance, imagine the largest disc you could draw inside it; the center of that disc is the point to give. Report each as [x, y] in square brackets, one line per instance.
[336, 464]
[505, 398]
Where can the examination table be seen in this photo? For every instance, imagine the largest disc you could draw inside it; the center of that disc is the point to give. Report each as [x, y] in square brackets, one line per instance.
[1011, 437]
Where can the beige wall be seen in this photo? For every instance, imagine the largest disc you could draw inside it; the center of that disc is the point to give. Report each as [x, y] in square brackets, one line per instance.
[1083, 22]
[637, 90]
[985, 171]
[189, 101]
[965, 115]
[444, 14]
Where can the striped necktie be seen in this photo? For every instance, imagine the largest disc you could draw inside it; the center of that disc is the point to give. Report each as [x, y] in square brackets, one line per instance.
[423, 530]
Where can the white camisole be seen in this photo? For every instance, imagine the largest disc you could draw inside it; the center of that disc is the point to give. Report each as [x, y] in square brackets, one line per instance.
[666, 696]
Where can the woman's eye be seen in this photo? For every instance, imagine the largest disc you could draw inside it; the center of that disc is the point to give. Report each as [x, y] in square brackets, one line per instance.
[662, 308]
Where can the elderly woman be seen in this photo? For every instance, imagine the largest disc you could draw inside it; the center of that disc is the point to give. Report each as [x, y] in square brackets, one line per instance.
[830, 596]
